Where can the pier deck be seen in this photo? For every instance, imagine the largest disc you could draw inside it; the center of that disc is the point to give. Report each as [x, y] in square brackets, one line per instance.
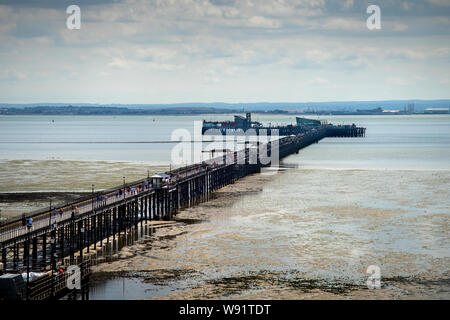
[64, 238]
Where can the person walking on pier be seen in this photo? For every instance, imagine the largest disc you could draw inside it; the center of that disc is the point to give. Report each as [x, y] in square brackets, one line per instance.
[30, 223]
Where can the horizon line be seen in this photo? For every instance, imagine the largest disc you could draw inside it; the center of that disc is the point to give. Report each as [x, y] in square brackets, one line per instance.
[229, 103]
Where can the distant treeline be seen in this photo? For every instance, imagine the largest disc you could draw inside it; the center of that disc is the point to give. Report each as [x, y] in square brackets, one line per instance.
[73, 110]
[123, 111]
[221, 107]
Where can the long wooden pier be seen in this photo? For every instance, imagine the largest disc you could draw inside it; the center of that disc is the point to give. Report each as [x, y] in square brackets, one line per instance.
[66, 237]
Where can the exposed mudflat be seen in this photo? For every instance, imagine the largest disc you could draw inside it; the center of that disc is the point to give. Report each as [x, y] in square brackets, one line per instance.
[29, 185]
[232, 253]
[298, 234]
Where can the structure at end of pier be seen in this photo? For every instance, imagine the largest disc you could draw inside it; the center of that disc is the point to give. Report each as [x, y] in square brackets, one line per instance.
[242, 125]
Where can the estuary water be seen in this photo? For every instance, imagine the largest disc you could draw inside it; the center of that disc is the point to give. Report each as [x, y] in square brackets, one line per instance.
[392, 142]
[345, 204]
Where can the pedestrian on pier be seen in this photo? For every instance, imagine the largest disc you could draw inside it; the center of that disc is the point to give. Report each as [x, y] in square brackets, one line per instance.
[54, 212]
[30, 223]
[60, 213]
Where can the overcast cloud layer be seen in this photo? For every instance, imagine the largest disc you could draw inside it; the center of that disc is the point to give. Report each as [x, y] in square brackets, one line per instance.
[136, 51]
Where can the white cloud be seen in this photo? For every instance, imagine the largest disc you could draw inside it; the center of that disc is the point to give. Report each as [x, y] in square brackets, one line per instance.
[119, 63]
[253, 49]
[12, 75]
[349, 4]
[440, 2]
[398, 81]
[344, 24]
[399, 27]
[259, 21]
[318, 80]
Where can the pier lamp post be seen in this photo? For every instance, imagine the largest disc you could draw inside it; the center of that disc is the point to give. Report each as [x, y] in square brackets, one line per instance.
[28, 266]
[81, 243]
[92, 197]
[50, 215]
[123, 187]
[53, 266]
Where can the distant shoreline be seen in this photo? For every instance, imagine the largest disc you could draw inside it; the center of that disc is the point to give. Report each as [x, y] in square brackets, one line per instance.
[175, 114]
[355, 110]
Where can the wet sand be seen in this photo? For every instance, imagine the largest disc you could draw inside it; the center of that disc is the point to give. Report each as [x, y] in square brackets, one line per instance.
[199, 261]
[14, 204]
[283, 236]
[29, 185]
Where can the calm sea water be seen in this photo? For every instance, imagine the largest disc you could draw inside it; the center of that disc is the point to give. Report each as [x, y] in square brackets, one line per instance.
[397, 142]
[349, 203]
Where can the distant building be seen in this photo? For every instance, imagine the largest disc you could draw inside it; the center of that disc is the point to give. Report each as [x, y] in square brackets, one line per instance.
[370, 111]
[410, 108]
[304, 122]
[437, 110]
[241, 122]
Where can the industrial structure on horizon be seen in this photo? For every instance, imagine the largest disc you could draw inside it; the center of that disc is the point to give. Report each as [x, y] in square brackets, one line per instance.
[242, 125]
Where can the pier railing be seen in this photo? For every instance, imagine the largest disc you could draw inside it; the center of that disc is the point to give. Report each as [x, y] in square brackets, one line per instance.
[69, 235]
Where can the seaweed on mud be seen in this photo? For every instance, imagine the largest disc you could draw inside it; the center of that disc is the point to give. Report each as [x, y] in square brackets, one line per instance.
[102, 275]
[162, 276]
[306, 285]
[234, 285]
[416, 280]
[189, 221]
[171, 236]
[154, 276]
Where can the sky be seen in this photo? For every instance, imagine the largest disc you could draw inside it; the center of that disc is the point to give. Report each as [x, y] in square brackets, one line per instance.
[173, 51]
